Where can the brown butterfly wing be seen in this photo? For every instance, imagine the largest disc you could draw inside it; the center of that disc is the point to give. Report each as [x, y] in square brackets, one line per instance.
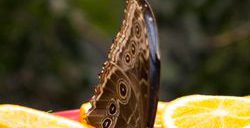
[126, 96]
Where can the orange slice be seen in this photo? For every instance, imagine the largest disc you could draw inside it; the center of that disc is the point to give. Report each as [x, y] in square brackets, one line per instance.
[14, 116]
[199, 111]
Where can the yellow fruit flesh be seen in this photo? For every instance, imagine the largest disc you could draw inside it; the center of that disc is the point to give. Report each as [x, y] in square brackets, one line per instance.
[13, 116]
[208, 112]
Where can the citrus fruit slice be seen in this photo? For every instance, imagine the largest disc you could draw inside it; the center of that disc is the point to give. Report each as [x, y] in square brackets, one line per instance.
[199, 111]
[14, 116]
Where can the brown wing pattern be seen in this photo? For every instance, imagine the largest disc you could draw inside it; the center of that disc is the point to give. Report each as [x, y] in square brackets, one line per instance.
[121, 98]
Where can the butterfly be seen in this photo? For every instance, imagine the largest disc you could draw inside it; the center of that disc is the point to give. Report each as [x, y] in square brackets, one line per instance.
[127, 93]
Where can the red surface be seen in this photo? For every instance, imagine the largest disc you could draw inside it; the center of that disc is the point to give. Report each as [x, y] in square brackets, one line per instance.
[70, 114]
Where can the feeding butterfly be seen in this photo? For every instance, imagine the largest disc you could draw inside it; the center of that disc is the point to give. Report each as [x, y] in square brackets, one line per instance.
[127, 93]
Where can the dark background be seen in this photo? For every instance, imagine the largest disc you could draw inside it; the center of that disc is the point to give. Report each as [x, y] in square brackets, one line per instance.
[51, 51]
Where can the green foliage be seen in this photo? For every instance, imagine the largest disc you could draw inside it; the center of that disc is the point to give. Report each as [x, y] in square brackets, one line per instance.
[105, 14]
[52, 51]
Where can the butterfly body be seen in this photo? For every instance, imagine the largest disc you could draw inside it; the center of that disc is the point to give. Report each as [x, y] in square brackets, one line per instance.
[127, 92]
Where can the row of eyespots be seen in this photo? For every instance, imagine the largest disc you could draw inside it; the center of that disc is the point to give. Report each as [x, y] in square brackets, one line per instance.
[112, 109]
[122, 91]
[137, 31]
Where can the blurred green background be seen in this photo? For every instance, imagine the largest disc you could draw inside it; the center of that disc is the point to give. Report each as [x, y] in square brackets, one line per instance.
[51, 51]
